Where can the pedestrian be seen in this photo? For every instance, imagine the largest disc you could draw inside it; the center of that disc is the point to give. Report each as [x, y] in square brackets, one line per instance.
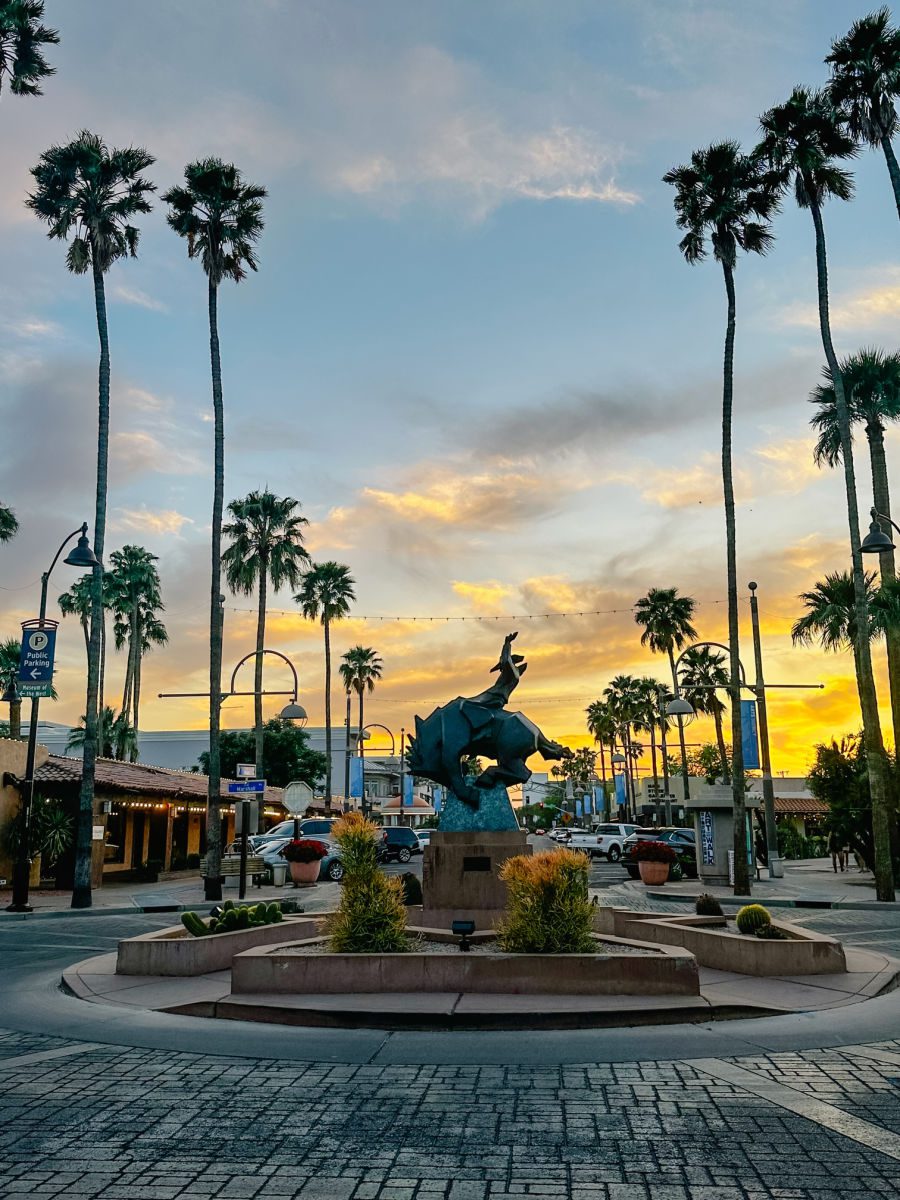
[836, 847]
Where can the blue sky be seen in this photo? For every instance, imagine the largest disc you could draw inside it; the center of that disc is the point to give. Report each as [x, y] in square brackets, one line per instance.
[472, 350]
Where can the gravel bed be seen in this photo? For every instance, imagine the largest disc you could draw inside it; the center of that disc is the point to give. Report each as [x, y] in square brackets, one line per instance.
[427, 946]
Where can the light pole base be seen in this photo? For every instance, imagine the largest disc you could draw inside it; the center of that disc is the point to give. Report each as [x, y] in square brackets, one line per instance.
[776, 866]
[22, 908]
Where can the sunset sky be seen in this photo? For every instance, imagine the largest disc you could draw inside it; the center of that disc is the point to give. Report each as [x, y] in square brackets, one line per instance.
[472, 350]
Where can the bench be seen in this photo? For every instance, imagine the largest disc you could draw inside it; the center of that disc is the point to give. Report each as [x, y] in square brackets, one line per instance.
[231, 868]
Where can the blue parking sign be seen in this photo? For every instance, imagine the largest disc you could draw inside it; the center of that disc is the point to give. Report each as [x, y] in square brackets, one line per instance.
[36, 660]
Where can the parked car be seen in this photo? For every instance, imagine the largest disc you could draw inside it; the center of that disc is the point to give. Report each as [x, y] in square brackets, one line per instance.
[580, 839]
[682, 841]
[540, 832]
[424, 836]
[331, 867]
[562, 833]
[398, 843]
[314, 827]
[611, 838]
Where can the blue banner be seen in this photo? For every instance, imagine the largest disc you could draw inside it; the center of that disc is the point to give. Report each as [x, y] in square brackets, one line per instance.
[356, 775]
[438, 799]
[621, 795]
[407, 791]
[579, 809]
[749, 736]
[587, 803]
[600, 801]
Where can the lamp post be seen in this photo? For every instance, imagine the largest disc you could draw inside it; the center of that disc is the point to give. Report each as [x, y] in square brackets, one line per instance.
[363, 736]
[293, 711]
[663, 724]
[619, 760]
[81, 556]
[402, 771]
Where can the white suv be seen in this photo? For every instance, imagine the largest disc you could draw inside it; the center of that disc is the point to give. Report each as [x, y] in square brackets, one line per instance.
[610, 839]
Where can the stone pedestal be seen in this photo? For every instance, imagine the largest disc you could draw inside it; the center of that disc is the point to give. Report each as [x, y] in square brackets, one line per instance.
[461, 875]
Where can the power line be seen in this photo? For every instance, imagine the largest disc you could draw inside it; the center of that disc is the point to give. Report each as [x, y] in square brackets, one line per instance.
[598, 612]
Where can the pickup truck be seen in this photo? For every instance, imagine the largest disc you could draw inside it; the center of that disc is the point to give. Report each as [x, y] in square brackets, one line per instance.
[580, 839]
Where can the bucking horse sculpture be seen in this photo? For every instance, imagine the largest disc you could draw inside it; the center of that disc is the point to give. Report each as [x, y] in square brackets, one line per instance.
[481, 726]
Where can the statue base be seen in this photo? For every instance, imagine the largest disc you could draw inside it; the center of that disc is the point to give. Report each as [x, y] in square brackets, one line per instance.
[461, 875]
[494, 813]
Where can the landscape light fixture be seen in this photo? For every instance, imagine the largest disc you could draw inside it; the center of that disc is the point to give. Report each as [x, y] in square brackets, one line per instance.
[463, 930]
[876, 540]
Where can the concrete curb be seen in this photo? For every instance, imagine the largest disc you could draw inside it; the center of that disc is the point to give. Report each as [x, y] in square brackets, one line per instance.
[43, 913]
[781, 902]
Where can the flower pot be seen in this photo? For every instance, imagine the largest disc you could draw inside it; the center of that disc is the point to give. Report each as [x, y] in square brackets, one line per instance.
[653, 873]
[305, 874]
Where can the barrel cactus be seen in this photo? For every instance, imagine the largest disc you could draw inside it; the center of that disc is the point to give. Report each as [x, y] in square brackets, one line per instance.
[707, 905]
[751, 918]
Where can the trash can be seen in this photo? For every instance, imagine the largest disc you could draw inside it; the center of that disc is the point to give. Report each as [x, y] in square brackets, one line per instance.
[279, 873]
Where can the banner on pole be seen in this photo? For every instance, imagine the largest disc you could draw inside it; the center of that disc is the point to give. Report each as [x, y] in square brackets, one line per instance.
[749, 735]
[356, 776]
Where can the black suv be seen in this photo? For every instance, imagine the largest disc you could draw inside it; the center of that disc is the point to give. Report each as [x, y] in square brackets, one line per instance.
[682, 841]
[399, 843]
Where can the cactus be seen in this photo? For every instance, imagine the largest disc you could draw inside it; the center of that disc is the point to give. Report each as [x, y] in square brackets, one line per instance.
[273, 912]
[194, 925]
[243, 918]
[228, 906]
[708, 906]
[771, 933]
[751, 918]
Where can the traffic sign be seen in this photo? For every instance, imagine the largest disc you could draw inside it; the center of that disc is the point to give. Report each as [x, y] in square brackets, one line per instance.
[243, 787]
[36, 660]
[297, 798]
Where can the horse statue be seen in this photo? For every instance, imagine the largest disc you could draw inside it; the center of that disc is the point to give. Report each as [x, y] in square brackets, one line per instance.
[480, 726]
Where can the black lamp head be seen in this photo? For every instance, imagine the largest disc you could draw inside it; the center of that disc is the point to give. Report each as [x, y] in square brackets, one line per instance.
[876, 540]
[82, 555]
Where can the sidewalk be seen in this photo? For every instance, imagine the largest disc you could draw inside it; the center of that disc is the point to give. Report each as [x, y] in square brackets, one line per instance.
[174, 895]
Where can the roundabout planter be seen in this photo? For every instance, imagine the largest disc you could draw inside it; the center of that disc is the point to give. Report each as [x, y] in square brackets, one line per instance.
[305, 874]
[653, 873]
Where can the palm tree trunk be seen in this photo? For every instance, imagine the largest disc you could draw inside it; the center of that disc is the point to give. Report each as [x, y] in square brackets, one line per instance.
[723, 749]
[139, 643]
[101, 710]
[258, 672]
[882, 499]
[875, 756]
[15, 719]
[81, 886]
[681, 741]
[893, 170]
[86, 630]
[739, 808]
[213, 886]
[326, 625]
[362, 760]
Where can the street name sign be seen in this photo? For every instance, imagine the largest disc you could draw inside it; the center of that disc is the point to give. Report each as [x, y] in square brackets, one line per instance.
[245, 787]
[36, 662]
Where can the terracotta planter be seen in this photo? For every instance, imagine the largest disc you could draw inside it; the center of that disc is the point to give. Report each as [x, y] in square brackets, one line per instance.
[305, 874]
[653, 873]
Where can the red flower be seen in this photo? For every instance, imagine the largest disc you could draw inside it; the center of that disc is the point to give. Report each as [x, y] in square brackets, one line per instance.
[646, 851]
[304, 850]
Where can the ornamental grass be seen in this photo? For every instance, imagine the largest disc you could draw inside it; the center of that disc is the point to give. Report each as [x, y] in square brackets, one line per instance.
[548, 910]
[371, 916]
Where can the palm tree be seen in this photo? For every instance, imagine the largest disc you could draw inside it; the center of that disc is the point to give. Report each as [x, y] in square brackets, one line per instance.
[872, 389]
[9, 525]
[22, 35]
[865, 80]
[831, 616]
[221, 218]
[602, 728]
[624, 698]
[728, 197]
[134, 596]
[266, 545]
[326, 594]
[77, 602]
[119, 738]
[702, 673]
[10, 653]
[805, 140]
[360, 670]
[666, 619]
[92, 193]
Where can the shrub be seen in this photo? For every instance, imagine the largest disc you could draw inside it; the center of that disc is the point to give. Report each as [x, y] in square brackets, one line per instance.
[371, 917]
[676, 872]
[192, 862]
[751, 918]
[647, 851]
[708, 906]
[548, 911]
[304, 850]
[231, 917]
[412, 888]
[771, 933]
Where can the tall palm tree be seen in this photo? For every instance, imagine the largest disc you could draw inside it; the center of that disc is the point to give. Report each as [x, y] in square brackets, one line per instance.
[326, 594]
[727, 198]
[831, 615]
[221, 217]
[602, 728]
[266, 535]
[10, 653]
[77, 602]
[702, 673]
[624, 698]
[90, 194]
[360, 670]
[136, 601]
[865, 81]
[9, 525]
[666, 620]
[872, 389]
[22, 37]
[805, 140]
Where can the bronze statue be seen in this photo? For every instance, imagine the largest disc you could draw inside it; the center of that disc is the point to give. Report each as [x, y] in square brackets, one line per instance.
[480, 725]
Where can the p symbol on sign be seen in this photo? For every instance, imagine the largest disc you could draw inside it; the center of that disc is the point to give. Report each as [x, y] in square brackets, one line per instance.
[37, 641]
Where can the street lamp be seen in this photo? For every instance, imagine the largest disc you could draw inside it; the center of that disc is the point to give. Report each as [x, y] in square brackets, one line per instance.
[619, 760]
[364, 736]
[80, 556]
[876, 540]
